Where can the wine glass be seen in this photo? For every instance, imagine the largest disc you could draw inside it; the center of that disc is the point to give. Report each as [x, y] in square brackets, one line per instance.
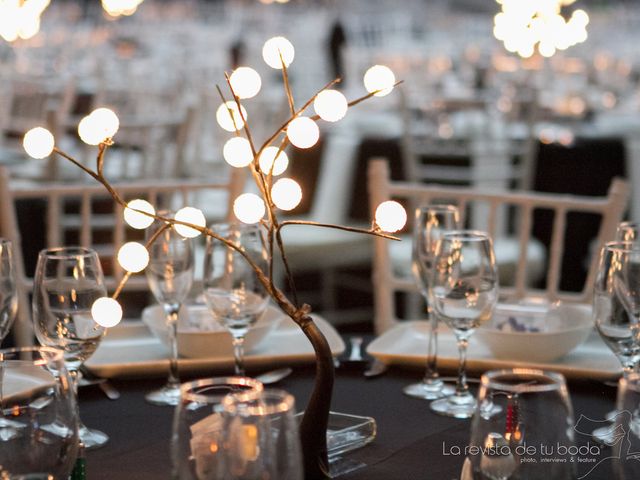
[464, 292]
[8, 296]
[232, 289]
[170, 275]
[432, 221]
[260, 437]
[38, 415]
[68, 280]
[197, 439]
[628, 232]
[627, 427]
[506, 438]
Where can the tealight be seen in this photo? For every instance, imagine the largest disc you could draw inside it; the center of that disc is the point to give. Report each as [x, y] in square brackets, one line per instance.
[249, 208]
[190, 215]
[391, 216]
[106, 312]
[138, 220]
[303, 132]
[276, 47]
[330, 105]
[268, 160]
[237, 152]
[38, 142]
[133, 257]
[286, 194]
[245, 82]
[379, 79]
[229, 117]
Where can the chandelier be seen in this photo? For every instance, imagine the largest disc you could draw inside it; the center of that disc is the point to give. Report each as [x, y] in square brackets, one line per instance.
[20, 18]
[524, 25]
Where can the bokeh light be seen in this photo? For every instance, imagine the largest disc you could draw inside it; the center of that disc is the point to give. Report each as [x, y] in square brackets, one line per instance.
[133, 257]
[38, 142]
[246, 82]
[303, 132]
[100, 125]
[267, 159]
[330, 105]
[229, 117]
[379, 79]
[106, 312]
[391, 216]
[190, 215]
[286, 194]
[249, 208]
[276, 47]
[237, 152]
[138, 220]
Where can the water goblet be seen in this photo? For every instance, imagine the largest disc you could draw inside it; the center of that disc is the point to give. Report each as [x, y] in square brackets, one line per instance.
[506, 438]
[197, 439]
[170, 275]
[38, 415]
[67, 282]
[465, 291]
[431, 222]
[8, 296]
[232, 289]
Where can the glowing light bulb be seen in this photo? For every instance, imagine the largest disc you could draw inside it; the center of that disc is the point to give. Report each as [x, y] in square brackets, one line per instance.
[303, 132]
[268, 157]
[106, 312]
[107, 120]
[38, 142]
[246, 82]
[138, 220]
[330, 105]
[98, 126]
[229, 117]
[190, 215]
[391, 216]
[276, 47]
[237, 152]
[286, 194]
[379, 79]
[249, 208]
[133, 257]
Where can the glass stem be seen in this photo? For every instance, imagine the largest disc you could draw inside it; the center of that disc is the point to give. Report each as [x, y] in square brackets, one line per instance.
[172, 324]
[461, 385]
[238, 354]
[431, 373]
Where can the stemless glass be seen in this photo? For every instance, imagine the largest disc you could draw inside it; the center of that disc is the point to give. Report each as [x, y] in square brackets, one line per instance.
[67, 282]
[38, 415]
[432, 221]
[197, 439]
[465, 291]
[261, 437]
[627, 426]
[8, 296]
[231, 287]
[507, 440]
[170, 275]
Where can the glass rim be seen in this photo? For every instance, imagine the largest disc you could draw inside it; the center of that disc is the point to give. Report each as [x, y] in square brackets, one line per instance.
[56, 353]
[473, 235]
[622, 246]
[628, 223]
[490, 380]
[187, 393]
[60, 253]
[5, 241]
[438, 207]
[284, 402]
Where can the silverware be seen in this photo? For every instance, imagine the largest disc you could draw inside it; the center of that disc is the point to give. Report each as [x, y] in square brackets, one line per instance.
[376, 369]
[107, 387]
[356, 349]
[274, 376]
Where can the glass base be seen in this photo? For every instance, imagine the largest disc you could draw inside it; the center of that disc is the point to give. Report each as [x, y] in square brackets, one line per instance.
[429, 390]
[92, 438]
[455, 406]
[168, 395]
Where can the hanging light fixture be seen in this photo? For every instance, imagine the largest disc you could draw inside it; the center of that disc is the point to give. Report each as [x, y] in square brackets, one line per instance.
[20, 18]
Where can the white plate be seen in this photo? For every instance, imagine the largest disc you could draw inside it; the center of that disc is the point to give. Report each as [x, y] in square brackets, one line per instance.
[406, 344]
[130, 350]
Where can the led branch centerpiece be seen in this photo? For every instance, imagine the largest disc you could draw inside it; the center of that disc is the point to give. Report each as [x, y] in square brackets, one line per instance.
[264, 162]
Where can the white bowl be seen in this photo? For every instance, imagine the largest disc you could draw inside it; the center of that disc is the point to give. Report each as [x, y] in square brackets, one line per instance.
[201, 336]
[561, 329]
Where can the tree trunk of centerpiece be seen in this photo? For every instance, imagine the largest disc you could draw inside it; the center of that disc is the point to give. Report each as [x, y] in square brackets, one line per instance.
[313, 428]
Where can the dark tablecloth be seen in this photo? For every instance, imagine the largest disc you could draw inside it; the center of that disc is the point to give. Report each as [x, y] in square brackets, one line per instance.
[409, 444]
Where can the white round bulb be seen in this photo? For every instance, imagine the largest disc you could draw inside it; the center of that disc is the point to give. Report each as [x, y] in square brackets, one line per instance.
[237, 152]
[379, 79]
[88, 133]
[246, 82]
[229, 117]
[276, 47]
[391, 216]
[133, 257]
[303, 132]
[286, 194]
[38, 142]
[138, 220]
[106, 120]
[249, 208]
[267, 159]
[190, 215]
[106, 312]
[330, 105]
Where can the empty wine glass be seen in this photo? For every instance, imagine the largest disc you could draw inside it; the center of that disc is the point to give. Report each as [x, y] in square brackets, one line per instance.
[8, 296]
[197, 439]
[627, 427]
[67, 282]
[232, 289]
[261, 437]
[431, 222]
[170, 275]
[507, 440]
[38, 415]
[465, 291]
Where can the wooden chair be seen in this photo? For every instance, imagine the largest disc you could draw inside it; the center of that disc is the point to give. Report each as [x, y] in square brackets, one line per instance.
[386, 282]
[84, 214]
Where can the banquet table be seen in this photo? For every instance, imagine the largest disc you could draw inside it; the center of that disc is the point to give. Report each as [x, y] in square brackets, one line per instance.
[411, 442]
